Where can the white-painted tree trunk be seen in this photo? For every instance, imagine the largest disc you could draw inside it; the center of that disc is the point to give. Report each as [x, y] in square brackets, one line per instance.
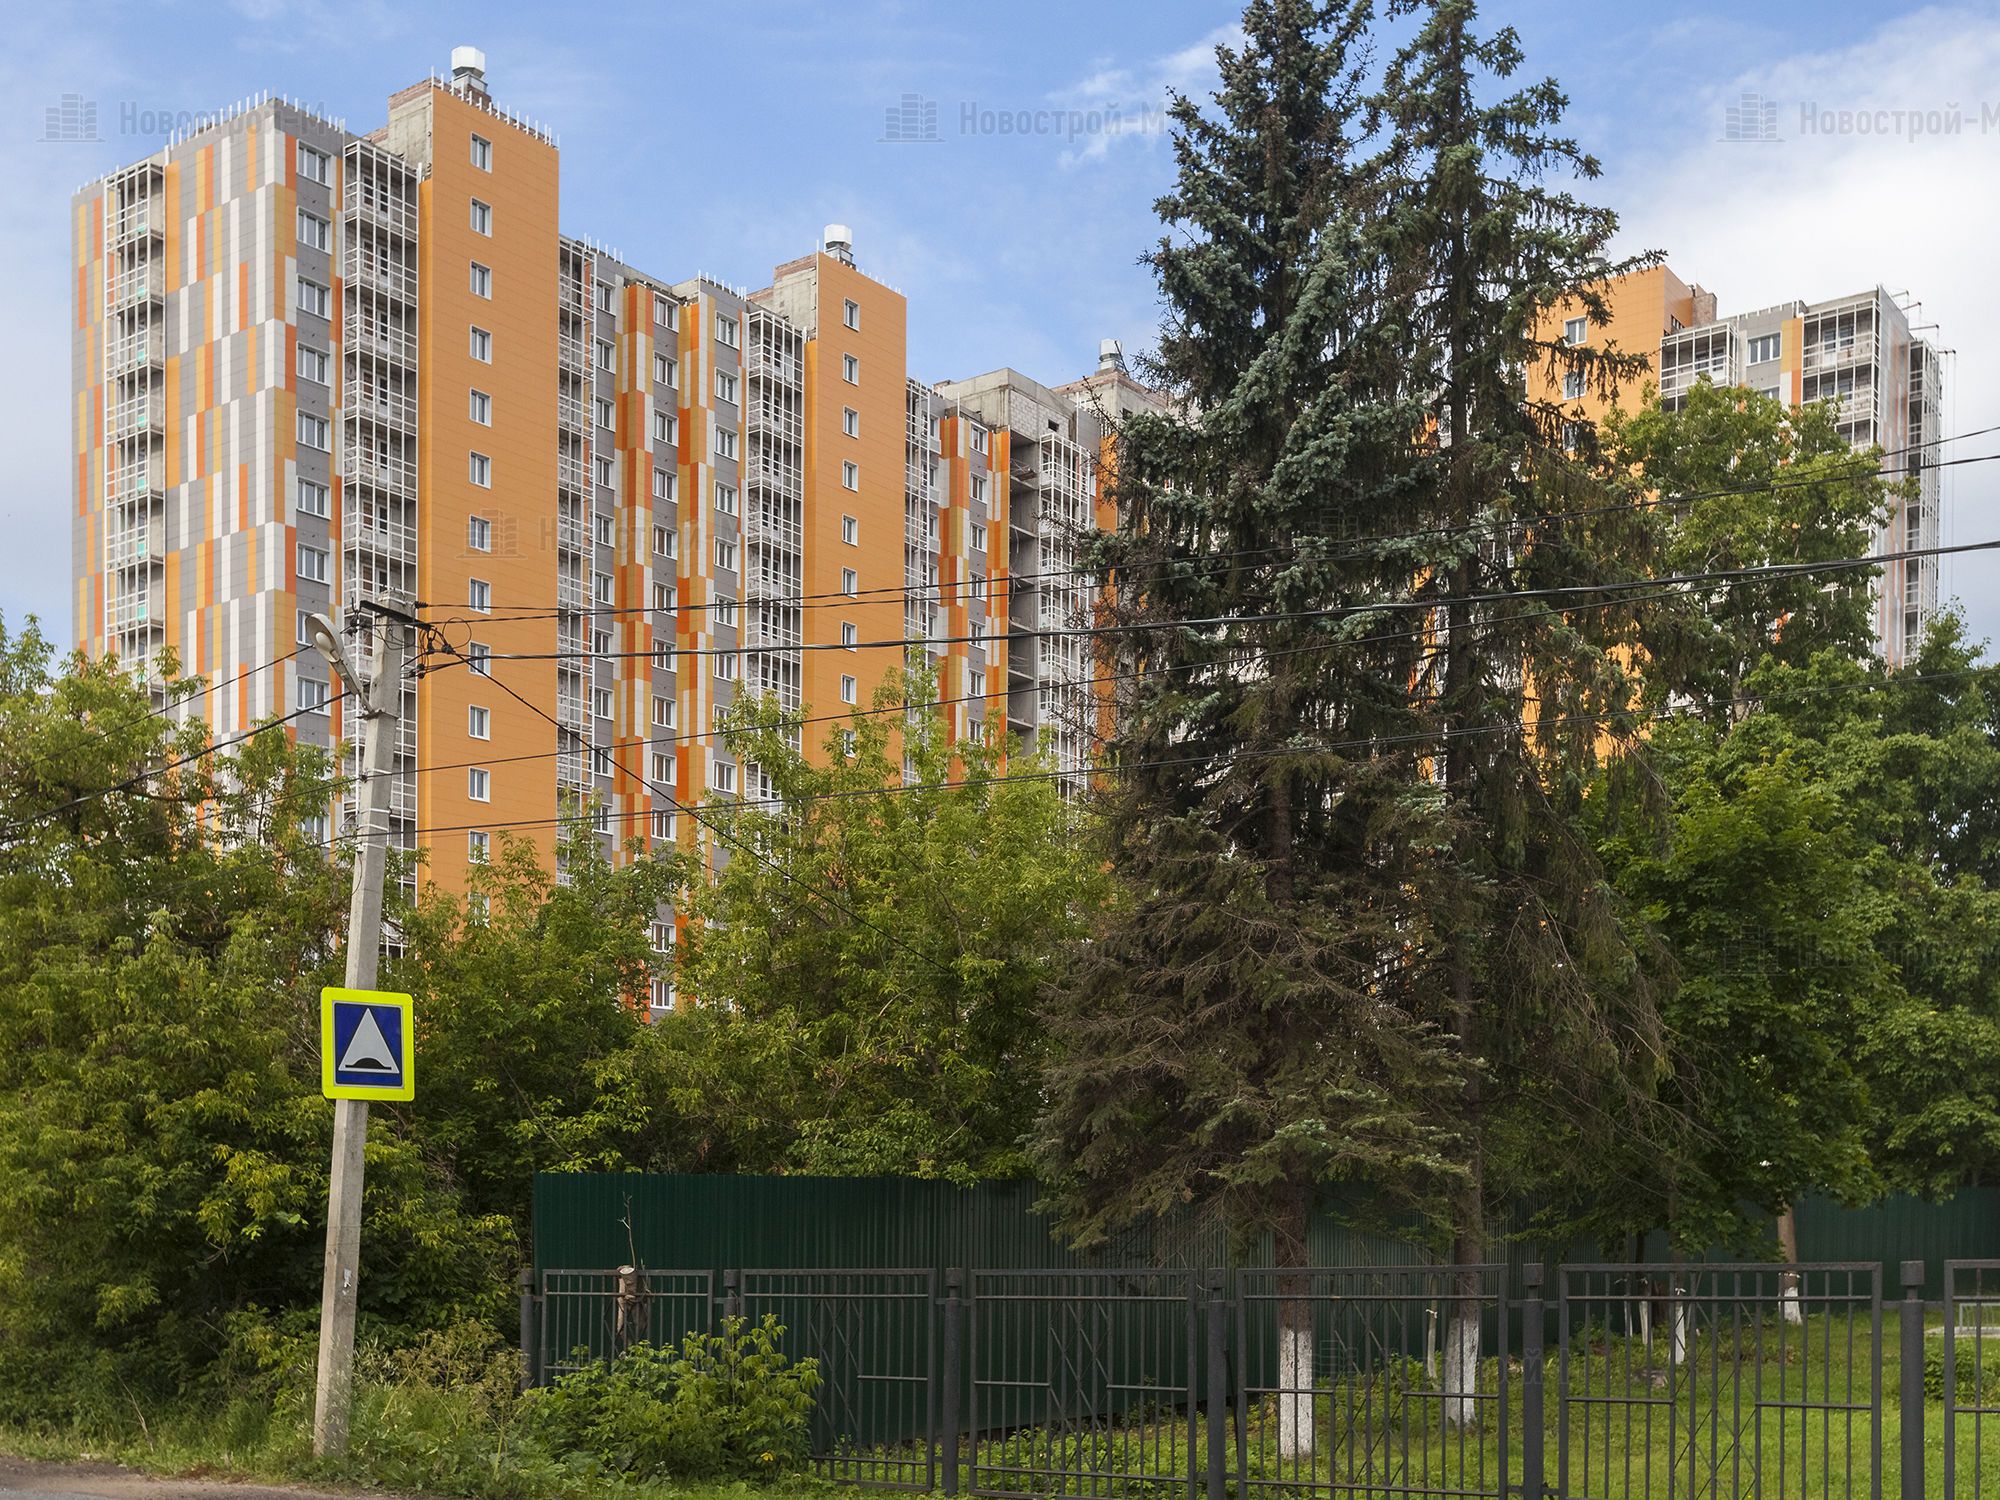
[1679, 1330]
[1295, 1379]
[1790, 1306]
[1461, 1368]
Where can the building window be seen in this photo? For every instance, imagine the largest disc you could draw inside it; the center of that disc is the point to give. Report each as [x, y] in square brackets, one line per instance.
[850, 581]
[850, 421]
[313, 696]
[314, 499]
[725, 442]
[1573, 385]
[666, 311]
[315, 433]
[1575, 330]
[479, 784]
[482, 346]
[479, 595]
[478, 845]
[848, 634]
[850, 531]
[604, 412]
[723, 611]
[975, 684]
[315, 299]
[607, 355]
[482, 153]
[315, 166]
[725, 498]
[665, 543]
[663, 597]
[978, 439]
[606, 297]
[1766, 346]
[850, 313]
[601, 587]
[478, 534]
[482, 217]
[479, 658]
[725, 387]
[601, 467]
[479, 469]
[482, 280]
[663, 712]
[850, 369]
[725, 554]
[478, 723]
[315, 233]
[849, 689]
[725, 666]
[722, 776]
[725, 331]
[978, 541]
[607, 529]
[850, 476]
[600, 643]
[666, 371]
[979, 484]
[666, 429]
[600, 702]
[480, 408]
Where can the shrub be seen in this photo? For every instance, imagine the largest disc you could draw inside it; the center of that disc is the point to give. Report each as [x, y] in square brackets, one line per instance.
[719, 1406]
[1976, 1373]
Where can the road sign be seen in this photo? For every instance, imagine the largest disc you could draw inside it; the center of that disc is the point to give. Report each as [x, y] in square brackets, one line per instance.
[367, 1044]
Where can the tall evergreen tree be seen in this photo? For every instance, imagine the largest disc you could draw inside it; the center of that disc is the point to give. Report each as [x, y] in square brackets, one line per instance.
[1543, 976]
[1243, 1031]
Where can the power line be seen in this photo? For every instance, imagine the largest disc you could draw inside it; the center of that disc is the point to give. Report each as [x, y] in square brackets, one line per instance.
[892, 593]
[721, 834]
[132, 782]
[1338, 611]
[1427, 736]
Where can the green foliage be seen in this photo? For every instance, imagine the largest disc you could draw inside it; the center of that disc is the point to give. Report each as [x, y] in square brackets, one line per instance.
[724, 1405]
[884, 957]
[163, 1145]
[1975, 1371]
[1774, 487]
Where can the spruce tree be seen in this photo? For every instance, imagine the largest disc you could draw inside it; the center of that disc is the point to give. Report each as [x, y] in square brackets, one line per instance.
[1245, 1030]
[1543, 971]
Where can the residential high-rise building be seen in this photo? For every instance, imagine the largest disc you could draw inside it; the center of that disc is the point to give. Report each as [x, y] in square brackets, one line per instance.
[315, 369]
[1859, 352]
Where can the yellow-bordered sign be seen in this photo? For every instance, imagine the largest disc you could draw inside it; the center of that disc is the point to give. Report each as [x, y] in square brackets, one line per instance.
[367, 1044]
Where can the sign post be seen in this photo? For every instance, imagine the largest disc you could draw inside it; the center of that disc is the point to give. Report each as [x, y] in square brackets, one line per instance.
[360, 1059]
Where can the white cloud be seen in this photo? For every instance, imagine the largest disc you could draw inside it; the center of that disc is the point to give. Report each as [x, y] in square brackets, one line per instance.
[1822, 212]
[1126, 101]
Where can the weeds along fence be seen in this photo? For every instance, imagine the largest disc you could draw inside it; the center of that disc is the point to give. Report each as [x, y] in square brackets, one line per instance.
[1595, 1382]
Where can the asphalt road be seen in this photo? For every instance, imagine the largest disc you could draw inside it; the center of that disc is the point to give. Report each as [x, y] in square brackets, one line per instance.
[29, 1479]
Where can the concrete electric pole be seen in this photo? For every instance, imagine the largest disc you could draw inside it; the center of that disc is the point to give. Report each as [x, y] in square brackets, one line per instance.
[381, 703]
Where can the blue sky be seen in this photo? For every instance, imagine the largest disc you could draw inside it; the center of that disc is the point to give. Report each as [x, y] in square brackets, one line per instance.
[724, 136]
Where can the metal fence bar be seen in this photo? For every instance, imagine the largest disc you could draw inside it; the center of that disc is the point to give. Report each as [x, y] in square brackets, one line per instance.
[1971, 1388]
[1761, 1380]
[1911, 1321]
[584, 1317]
[873, 1336]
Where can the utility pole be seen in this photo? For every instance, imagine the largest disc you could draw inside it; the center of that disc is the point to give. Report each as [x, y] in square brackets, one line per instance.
[381, 702]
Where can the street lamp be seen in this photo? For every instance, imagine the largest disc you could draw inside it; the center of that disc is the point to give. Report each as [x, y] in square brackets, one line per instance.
[326, 641]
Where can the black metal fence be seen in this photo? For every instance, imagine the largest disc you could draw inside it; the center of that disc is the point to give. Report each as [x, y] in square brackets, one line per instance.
[1615, 1382]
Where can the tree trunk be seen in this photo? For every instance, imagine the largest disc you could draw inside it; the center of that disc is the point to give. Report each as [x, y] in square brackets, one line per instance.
[1295, 1336]
[1460, 1385]
[1788, 1252]
[1678, 1332]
